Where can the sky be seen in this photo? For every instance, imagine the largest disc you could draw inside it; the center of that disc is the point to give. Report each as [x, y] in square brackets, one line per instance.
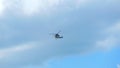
[90, 30]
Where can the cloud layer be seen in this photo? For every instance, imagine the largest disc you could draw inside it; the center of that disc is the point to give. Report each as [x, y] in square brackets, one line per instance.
[86, 26]
[35, 7]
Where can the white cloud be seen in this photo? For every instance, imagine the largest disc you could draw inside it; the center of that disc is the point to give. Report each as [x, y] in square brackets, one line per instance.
[82, 3]
[2, 7]
[118, 65]
[107, 43]
[32, 7]
[114, 29]
[28, 7]
[7, 52]
[111, 38]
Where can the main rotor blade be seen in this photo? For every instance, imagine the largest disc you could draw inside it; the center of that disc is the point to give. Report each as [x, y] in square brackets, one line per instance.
[51, 33]
[59, 31]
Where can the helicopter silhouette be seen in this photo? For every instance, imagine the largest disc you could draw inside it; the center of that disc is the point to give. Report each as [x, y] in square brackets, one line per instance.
[57, 35]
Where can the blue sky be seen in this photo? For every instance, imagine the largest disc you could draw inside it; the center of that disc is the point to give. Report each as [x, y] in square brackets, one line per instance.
[91, 30]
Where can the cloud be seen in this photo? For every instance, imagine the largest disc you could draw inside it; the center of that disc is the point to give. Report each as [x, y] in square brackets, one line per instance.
[114, 29]
[118, 66]
[14, 55]
[39, 7]
[18, 53]
[6, 52]
[29, 7]
[111, 37]
[81, 35]
[2, 7]
[107, 43]
[36, 53]
[32, 7]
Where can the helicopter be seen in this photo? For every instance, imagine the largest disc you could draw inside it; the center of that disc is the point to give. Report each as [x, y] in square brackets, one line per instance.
[57, 35]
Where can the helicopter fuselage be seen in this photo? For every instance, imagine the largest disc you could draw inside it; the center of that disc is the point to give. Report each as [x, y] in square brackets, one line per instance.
[58, 36]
